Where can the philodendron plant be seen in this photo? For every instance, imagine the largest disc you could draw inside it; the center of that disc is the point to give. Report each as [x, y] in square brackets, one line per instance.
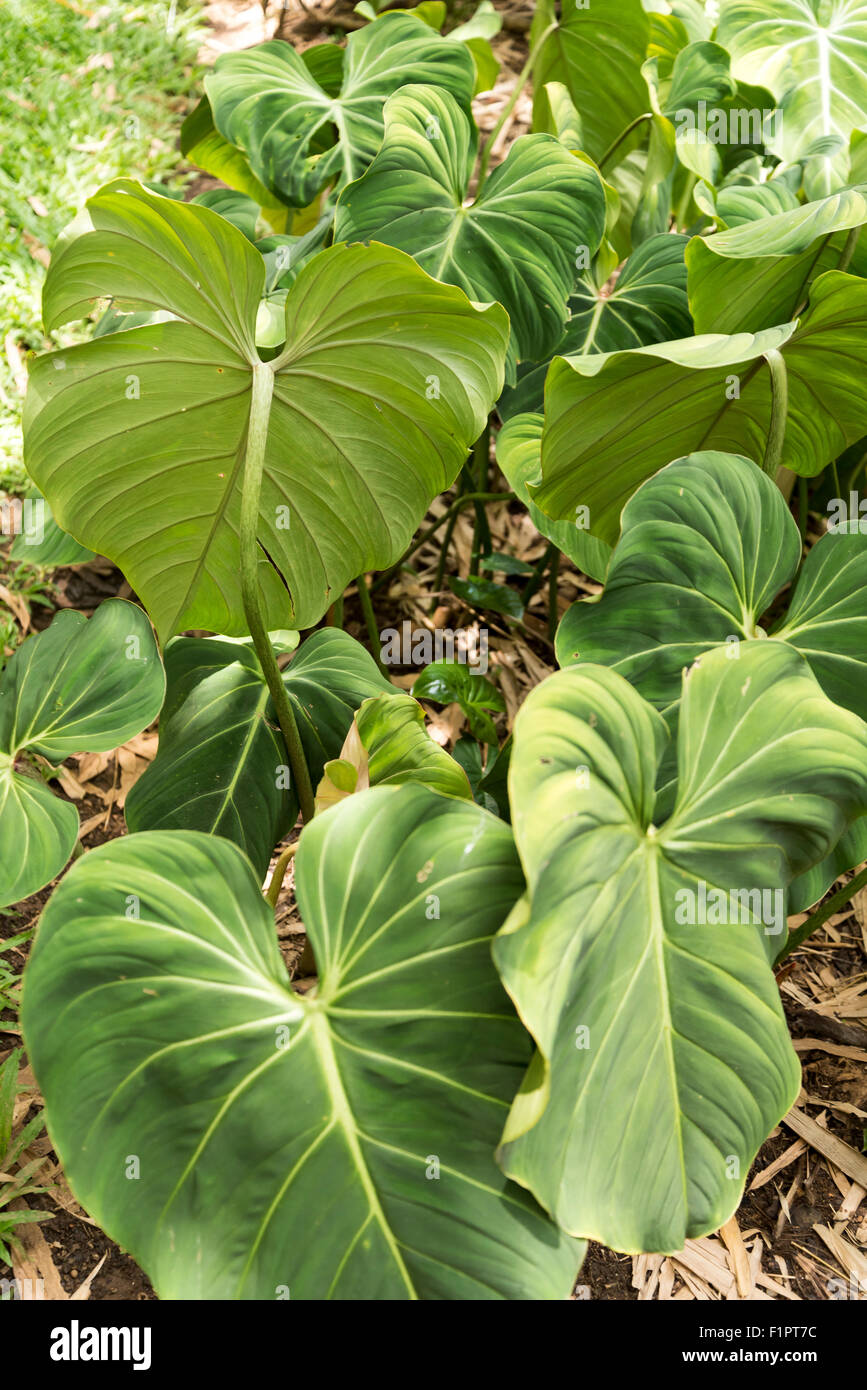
[706, 547]
[79, 686]
[538, 1002]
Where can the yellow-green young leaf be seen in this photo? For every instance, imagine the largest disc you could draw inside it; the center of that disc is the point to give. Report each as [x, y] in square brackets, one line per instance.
[388, 745]
[252, 1112]
[205, 147]
[400, 749]
[640, 959]
[516, 243]
[80, 686]
[758, 274]
[138, 439]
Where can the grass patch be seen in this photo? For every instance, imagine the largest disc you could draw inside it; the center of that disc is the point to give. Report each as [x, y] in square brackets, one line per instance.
[86, 94]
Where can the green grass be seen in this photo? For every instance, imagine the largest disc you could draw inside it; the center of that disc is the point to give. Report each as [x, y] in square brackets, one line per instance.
[64, 131]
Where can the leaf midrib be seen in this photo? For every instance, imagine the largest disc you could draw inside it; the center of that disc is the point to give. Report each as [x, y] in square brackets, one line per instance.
[342, 1110]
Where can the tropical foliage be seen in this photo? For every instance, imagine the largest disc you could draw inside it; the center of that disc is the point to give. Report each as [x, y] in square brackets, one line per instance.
[542, 1005]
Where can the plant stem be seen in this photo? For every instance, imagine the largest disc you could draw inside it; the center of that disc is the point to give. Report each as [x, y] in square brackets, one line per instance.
[451, 514]
[534, 583]
[624, 134]
[849, 248]
[481, 529]
[280, 873]
[257, 435]
[833, 904]
[835, 473]
[523, 78]
[779, 410]
[370, 622]
[803, 503]
[553, 613]
[680, 216]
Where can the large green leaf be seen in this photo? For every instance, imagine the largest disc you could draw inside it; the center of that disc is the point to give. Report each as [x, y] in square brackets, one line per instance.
[812, 54]
[603, 435]
[222, 765]
[596, 51]
[707, 545]
[138, 439]
[519, 454]
[269, 104]
[664, 1055]
[516, 243]
[646, 304]
[827, 615]
[80, 686]
[337, 1144]
[758, 274]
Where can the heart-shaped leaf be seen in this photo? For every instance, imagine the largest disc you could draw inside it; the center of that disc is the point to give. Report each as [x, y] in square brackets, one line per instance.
[758, 274]
[80, 686]
[813, 57]
[597, 51]
[602, 434]
[647, 304]
[517, 243]
[453, 682]
[380, 1093]
[268, 103]
[222, 765]
[707, 545]
[386, 379]
[639, 961]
